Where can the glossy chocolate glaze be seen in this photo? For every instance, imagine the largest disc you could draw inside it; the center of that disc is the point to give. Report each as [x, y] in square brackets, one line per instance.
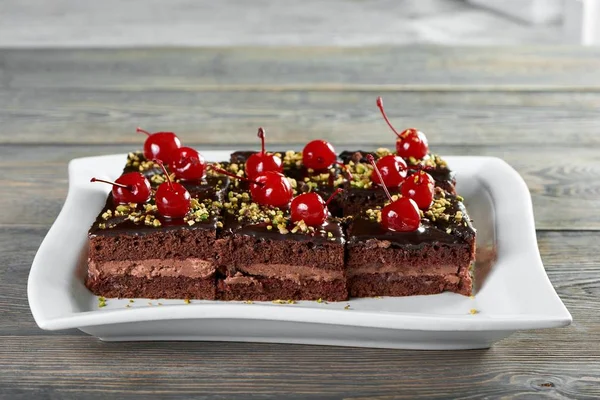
[430, 232]
[232, 226]
[207, 189]
[443, 176]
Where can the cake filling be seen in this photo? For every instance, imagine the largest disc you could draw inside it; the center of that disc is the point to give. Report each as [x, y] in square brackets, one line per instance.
[405, 270]
[150, 268]
[295, 273]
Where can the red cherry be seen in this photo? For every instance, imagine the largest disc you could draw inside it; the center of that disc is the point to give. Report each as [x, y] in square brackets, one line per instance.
[261, 162]
[132, 187]
[393, 170]
[401, 215]
[172, 199]
[161, 146]
[271, 189]
[420, 187]
[318, 155]
[188, 165]
[411, 142]
[310, 208]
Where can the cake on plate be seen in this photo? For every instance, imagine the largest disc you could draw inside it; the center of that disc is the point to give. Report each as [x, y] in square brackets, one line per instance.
[309, 225]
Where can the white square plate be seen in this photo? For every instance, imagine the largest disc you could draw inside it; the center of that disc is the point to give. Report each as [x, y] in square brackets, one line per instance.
[515, 293]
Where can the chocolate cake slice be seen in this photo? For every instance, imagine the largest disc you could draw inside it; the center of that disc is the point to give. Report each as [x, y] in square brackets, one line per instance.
[264, 256]
[435, 258]
[135, 252]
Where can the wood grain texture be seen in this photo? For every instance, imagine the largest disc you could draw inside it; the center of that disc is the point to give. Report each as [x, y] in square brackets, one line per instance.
[564, 190]
[304, 67]
[214, 117]
[535, 108]
[556, 362]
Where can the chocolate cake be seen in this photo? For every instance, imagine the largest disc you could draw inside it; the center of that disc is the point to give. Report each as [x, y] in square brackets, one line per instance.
[435, 258]
[136, 252]
[228, 245]
[264, 256]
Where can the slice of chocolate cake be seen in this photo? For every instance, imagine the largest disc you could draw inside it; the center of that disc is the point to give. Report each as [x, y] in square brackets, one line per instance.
[435, 258]
[135, 252]
[264, 256]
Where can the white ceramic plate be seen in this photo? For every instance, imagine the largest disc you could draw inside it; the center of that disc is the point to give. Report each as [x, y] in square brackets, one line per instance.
[515, 293]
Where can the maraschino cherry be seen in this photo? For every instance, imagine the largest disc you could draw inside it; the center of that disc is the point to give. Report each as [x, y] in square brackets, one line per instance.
[310, 208]
[401, 215]
[261, 162]
[160, 145]
[132, 187]
[411, 142]
[420, 187]
[393, 169]
[269, 189]
[318, 155]
[172, 199]
[189, 165]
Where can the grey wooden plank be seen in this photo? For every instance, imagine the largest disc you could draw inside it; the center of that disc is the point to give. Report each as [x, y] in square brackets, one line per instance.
[565, 190]
[552, 362]
[216, 117]
[277, 67]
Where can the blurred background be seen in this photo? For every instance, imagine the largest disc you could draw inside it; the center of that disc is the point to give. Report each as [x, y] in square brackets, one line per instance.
[114, 23]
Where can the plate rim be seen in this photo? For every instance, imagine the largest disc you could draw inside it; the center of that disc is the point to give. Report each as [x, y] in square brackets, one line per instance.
[559, 316]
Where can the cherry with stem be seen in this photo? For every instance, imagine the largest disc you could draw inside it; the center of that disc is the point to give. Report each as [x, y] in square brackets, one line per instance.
[411, 142]
[160, 145]
[310, 208]
[261, 162]
[132, 187]
[270, 188]
[401, 215]
[172, 199]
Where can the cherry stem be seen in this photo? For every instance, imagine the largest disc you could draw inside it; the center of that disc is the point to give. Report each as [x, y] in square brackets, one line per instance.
[261, 135]
[337, 191]
[222, 171]
[380, 105]
[138, 130]
[372, 161]
[128, 187]
[162, 166]
[344, 167]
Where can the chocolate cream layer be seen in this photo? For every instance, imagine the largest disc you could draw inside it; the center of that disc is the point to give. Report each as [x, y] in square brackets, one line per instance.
[150, 268]
[296, 273]
[405, 270]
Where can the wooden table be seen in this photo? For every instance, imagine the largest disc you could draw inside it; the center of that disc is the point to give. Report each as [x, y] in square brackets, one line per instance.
[536, 108]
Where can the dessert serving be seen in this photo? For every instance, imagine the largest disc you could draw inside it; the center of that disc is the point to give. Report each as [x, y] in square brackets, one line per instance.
[309, 225]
